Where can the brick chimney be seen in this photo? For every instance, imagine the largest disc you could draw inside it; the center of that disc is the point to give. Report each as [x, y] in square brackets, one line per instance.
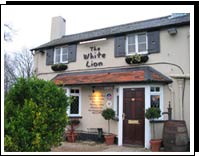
[58, 27]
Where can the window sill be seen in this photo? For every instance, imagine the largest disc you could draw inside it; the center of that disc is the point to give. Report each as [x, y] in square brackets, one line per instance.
[75, 117]
[157, 121]
[137, 53]
[116, 119]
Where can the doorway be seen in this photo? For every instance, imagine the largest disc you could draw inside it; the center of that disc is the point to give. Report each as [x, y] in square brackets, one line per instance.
[133, 116]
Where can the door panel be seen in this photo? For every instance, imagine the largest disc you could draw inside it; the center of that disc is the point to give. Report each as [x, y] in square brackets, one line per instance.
[133, 122]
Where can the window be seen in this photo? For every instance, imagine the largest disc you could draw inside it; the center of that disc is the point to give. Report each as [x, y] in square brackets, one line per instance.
[116, 102]
[156, 97]
[61, 55]
[75, 108]
[136, 44]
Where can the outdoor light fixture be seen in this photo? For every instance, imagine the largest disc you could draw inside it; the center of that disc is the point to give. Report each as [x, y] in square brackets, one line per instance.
[90, 41]
[172, 31]
[93, 89]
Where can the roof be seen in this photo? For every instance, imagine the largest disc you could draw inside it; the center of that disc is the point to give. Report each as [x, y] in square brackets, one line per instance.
[155, 23]
[114, 76]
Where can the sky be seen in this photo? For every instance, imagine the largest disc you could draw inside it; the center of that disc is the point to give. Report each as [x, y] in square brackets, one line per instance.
[32, 24]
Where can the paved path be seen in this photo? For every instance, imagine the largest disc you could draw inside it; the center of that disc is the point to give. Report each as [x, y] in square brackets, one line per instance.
[90, 146]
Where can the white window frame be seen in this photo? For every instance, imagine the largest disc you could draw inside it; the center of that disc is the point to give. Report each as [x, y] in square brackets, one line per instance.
[116, 93]
[136, 44]
[61, 55]
[68, 93]
[160, 93]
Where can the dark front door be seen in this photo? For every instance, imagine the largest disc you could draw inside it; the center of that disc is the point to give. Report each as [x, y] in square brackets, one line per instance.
[133, 116]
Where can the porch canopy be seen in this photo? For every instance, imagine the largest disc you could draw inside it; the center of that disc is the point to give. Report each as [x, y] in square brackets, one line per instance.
[112, 76]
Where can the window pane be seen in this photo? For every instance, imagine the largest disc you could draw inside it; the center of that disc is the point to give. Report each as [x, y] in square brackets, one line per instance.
[142, 47]
[57, 51]
[131, 39]
[74, 108]
[64, 58]
[64, 54]
[157, 89]
[57, 55]
[155, 101]
[57, 59]
[152, 89]
[141, 38]
[76, 90]
[72, 91]
[131, 48]
[65, 51]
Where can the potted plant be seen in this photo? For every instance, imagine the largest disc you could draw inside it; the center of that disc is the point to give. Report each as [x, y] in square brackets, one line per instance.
[137, 58]
[72, 125]
[151, 114]
[59, 67]
[109, 114]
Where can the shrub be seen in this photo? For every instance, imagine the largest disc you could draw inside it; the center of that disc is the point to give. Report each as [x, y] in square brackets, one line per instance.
[35, 115]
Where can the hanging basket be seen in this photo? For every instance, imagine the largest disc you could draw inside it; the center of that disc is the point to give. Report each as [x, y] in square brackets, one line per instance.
[136, 59]
[59, 67]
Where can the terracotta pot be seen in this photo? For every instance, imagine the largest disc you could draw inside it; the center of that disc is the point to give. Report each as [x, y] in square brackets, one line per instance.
[109, 139]
[71, 137]
[155, 145]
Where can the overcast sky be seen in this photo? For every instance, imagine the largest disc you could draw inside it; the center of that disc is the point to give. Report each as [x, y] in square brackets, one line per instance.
[33, 23]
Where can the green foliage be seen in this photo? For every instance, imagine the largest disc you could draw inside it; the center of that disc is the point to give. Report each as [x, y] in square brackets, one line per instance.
[152, 113]
[136, 59]
[35, 115]
[73, 122]
[59, 67]
[108, 113]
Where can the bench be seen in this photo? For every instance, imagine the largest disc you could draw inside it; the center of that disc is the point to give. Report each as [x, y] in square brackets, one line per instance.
[92, 130]
[95, 134]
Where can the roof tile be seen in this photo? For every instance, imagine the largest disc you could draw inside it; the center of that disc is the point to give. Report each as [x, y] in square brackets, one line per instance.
[154, 23]
[126, 75]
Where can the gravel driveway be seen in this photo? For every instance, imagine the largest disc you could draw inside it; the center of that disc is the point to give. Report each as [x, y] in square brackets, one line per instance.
[90, 146]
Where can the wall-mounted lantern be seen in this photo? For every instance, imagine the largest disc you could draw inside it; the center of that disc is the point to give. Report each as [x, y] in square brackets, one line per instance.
[93, 89]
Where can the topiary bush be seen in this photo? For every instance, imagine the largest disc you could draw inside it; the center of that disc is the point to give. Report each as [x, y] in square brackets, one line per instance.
[35, 115]
[151, 114]
[108, 114]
